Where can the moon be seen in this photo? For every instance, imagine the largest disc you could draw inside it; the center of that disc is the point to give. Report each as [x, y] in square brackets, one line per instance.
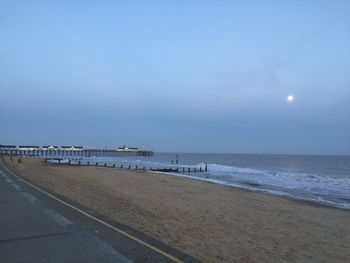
[290, 98]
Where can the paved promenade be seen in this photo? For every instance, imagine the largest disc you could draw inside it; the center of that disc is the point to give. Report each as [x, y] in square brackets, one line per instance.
[35, 227]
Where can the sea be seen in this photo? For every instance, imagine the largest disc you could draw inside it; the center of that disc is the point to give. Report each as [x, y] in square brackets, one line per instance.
[320, 179]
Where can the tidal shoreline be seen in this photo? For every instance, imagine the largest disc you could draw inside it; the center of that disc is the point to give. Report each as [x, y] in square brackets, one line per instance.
[252, 190]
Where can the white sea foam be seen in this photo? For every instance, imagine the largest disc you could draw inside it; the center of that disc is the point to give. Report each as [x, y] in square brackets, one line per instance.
[292, 180]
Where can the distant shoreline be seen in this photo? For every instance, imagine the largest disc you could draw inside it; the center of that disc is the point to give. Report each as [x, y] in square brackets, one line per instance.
[270, 154]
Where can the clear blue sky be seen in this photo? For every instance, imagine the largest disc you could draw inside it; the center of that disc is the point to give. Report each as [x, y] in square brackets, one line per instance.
[193, 76]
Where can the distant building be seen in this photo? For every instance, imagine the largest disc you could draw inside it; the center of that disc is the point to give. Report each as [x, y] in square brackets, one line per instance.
[8, 147]
[50, 147]
[28, 147]
[71, 148]
[127, 149]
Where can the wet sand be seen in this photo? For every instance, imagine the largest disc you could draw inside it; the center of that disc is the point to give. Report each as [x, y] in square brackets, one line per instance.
[210, 222]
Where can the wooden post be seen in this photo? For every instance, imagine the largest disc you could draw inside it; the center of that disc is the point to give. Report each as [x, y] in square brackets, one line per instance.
[206, 168]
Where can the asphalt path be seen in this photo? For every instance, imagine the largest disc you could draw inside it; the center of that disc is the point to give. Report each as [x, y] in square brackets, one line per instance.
[37, 225]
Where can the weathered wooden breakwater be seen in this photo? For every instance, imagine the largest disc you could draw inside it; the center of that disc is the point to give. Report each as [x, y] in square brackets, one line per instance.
[59, 161]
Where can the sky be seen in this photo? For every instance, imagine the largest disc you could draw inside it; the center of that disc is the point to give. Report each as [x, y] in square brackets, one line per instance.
[177, 76]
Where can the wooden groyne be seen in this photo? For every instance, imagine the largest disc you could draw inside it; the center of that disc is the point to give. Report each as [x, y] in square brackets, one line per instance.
[59, 161]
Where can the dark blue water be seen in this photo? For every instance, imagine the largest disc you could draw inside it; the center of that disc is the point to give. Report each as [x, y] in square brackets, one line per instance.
[322, 179]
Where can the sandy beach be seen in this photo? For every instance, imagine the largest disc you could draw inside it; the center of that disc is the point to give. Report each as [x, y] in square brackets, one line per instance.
[210, 222]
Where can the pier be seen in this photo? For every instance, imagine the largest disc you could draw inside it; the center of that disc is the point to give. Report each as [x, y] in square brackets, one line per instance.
[72, 155]
[69, 151]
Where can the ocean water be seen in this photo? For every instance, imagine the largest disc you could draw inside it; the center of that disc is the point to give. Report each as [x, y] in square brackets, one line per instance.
[321, 179]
